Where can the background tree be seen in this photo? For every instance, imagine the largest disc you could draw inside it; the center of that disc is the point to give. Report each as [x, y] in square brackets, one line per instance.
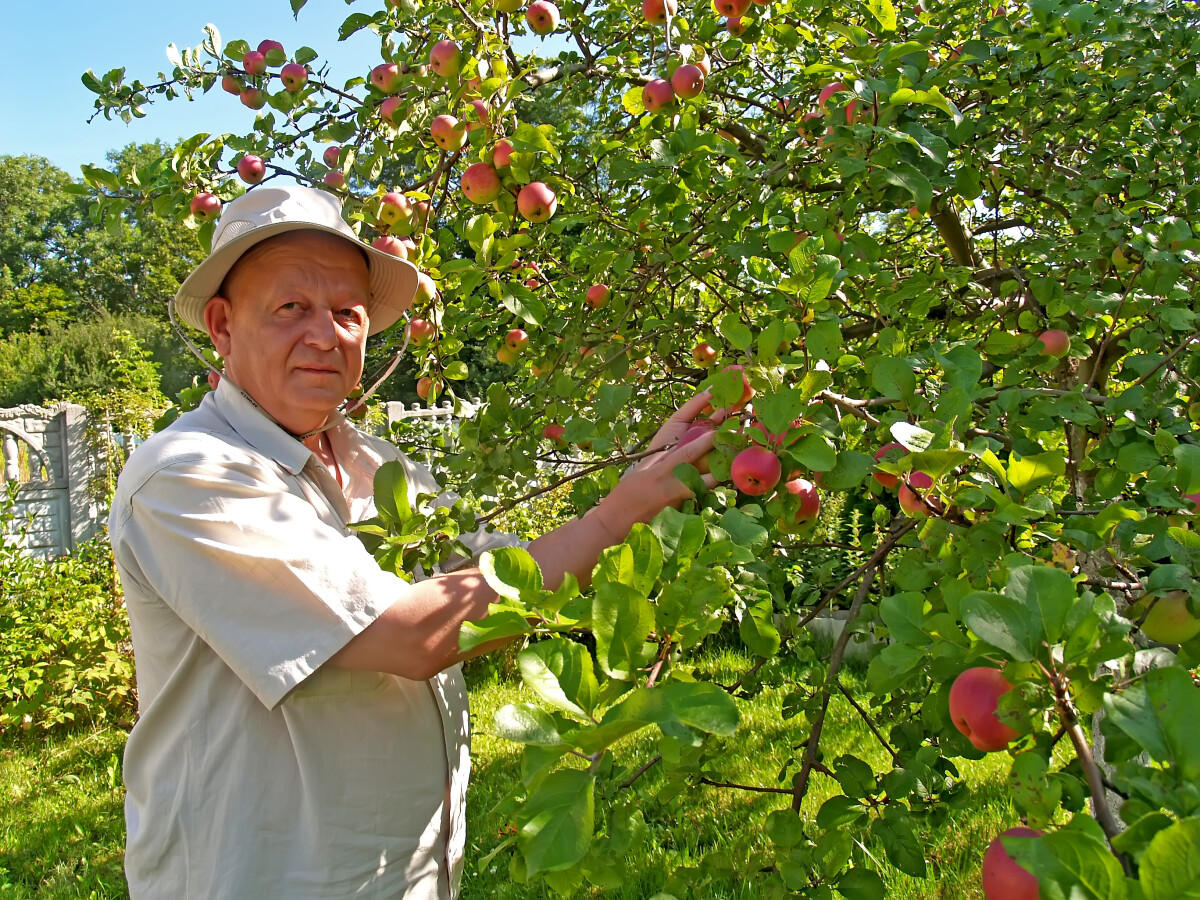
[951, 250]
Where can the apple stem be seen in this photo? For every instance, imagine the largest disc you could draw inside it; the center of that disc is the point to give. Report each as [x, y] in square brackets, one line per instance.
[1091, 770]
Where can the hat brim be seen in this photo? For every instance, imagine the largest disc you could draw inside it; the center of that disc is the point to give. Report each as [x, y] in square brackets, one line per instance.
[393, 280]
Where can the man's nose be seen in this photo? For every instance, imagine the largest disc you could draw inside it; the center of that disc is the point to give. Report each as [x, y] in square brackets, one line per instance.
[322, 329]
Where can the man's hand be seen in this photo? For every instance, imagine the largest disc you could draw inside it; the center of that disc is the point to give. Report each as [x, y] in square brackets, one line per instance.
[651, 485]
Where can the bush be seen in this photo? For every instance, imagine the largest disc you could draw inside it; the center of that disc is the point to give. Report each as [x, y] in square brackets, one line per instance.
[66, 656]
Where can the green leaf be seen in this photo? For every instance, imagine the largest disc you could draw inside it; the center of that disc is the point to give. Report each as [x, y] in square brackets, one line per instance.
[861, 884]
[556, 824]
[688, 608]
[884, 13]
[815, 452]
[893, 377]
[910, 178]
[824, 340]
[622, 621]
[933, 97]
[778, 411]
[647, 557]
[1170, 867]
[745, 530]
[511, 572]
[903, 614]
[735, 332]
[1047, 594]
[391, 493]
[1161, 714]
[680, 710]
[757, 630]
[1034, 471]
[1187, 461]
[1001, 622]
[900, 842]
[848, 472]
[1074, 860]
[682, 534]
[524, 723]
[560, 672]
[526, 305]
[499, 625]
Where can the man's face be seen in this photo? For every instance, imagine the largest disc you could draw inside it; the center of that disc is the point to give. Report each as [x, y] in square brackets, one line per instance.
[293, 328]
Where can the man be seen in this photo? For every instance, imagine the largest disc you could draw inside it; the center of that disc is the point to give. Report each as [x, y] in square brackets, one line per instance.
[303, 723]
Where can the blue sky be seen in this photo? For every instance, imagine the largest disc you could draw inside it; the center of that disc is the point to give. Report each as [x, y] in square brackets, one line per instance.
[46, 46]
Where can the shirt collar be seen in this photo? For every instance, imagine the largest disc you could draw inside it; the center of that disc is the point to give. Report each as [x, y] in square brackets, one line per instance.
[259, 430]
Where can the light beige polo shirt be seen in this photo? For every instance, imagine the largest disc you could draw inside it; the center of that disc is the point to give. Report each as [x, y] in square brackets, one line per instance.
[252, 771]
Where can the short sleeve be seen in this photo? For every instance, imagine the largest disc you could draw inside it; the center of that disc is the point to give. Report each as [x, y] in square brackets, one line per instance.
[245, 560]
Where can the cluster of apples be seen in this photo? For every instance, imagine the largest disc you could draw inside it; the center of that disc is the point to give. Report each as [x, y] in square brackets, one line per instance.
[514, 343]
[255, 64]
[913, 491]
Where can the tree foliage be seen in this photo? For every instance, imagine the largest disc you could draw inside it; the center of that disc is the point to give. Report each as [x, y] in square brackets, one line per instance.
[877, 210]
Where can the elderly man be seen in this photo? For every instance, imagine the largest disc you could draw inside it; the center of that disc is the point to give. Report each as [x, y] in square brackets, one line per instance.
[303, 729]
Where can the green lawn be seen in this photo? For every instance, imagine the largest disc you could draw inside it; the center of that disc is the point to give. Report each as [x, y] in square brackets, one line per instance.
[61, 829]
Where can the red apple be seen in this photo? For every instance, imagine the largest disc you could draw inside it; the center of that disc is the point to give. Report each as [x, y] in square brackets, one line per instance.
[502, 154]
[253, 98]
[656, 11]
[704, 354]
[480, 183]
[747, 390]
[426, 387]
[1054, 342]
[973, 698]
[598, 295]
[394, 207]
[1166, 619]
[810, 500]
[554, 432]
[445, 59]
[833, 88]
[911, 492]
[426, 289]
[755, 471]
[387, 78]
[542, 16]
[536, 202]
[231, 84]
[737, 25]
[205, 206]
[391, 110]
[480, 115]
[330, 156]
[391, 244]
[688, 81]
[421, 331]
[255, 63]
[891, 452]
[731, 9]
[251, 169]
[1003, 877]
[657, 95]
[335, 180]
[516, 340]
[448, 133]
[294, 76]
[699, 428]
[266, 46]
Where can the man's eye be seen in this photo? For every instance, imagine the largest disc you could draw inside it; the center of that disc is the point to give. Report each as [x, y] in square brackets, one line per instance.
[290, 305]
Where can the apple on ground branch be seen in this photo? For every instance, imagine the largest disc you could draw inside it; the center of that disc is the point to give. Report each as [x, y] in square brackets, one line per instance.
[502, 154]
[251, 169]
[516, 340]
[656, 11]
[445, 59]
[658, 95]
[1002, 876]
[914, 497]
[254, 63]
[973, 699]
[294, 76]
[688, 81]
[448, 133]
[481, 184]
[205, 206]
[1054, 342]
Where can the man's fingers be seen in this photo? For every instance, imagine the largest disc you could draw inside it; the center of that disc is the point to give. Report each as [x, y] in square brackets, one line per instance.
[691, 409]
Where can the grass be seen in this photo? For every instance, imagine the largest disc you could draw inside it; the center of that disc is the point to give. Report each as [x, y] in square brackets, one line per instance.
[62, 829]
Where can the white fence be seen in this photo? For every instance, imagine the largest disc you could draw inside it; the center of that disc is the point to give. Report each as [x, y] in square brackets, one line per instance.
[47, 455]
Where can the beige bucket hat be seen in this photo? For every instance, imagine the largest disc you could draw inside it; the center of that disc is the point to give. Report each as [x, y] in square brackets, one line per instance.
[268, 210]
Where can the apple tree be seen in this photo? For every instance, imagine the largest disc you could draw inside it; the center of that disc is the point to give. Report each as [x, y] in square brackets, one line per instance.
[937, 268]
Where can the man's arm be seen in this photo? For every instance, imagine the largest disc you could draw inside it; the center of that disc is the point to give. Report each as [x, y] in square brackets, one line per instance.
[417, 636]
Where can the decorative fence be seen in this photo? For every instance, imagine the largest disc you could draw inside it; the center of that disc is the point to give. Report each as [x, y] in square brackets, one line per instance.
[48, 457]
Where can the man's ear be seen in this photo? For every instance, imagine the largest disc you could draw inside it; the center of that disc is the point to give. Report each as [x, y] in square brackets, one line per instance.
[217, 312]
